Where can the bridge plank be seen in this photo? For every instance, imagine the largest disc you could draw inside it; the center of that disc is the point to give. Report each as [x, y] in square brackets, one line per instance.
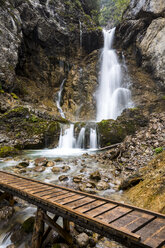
[90, 206]
[97, 211]
[71, 199]
[50, 196]
[80, 203]
[52, 191]
[55, 199]
[133, 220]
[150, 229]
[114, 214]
[157, 240]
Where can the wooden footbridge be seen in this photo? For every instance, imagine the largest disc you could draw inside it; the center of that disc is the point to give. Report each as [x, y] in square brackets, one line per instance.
[132, 226]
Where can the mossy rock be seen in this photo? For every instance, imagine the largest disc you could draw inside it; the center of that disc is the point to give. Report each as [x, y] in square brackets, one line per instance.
[114, 131]
[28, 225]
[7, 151]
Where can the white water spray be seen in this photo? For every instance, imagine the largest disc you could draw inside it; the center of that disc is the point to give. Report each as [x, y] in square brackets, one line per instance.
[58, 102]
[93, 138]
[81, 139]
[112, 96]
[67, 140]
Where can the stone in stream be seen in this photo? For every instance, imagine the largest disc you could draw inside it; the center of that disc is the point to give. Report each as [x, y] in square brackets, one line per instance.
[65, 168]
[77, 179]
[6, 212]
[28, 225]
[41, 161]
[102, 185]
[23, 164]
[95, 175]
[82, 240]
[50, 164]
[63, 178]
[39, 168]
[56, 170]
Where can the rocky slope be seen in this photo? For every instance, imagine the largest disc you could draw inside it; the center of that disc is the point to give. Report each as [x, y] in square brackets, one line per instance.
[143, 30]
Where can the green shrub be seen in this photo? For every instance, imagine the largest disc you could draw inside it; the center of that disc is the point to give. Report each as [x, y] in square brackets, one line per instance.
[158, 150]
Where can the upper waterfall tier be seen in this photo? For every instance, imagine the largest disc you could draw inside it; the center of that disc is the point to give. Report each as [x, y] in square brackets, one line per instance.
[112, 96]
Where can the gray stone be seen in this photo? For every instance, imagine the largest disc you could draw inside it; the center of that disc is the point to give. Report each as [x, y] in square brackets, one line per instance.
[82, 240]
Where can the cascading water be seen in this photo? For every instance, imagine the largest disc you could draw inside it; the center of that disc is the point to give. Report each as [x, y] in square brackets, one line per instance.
[93, 138]
[113, 96]
[67, 140]
[81, 33]
[58, 101]
[81, 139]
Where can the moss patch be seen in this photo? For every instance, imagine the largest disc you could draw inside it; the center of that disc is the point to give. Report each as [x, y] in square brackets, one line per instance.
[7, 151]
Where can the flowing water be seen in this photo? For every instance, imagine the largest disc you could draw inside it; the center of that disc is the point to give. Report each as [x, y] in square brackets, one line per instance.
[59, 97]
[113, 95]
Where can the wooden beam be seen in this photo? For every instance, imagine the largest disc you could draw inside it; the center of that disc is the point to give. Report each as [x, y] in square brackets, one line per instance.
[66, 225]
[49, 229]
[58, 229]
[38, 229]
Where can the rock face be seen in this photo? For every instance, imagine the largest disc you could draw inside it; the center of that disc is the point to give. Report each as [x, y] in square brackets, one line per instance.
[41, 43]
[143, 29]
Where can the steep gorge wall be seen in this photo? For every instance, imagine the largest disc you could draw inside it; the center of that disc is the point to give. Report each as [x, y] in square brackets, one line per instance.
[143, 29]
[40, 44]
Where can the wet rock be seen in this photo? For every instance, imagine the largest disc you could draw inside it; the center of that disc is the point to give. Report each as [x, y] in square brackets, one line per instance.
[11, 246]
[17, 234]
[95, 176]
[130, 182]
[58, 160]
[87, 188]
[102, 185]
[50, 164]
[65, 168]
[63, 178]
[23, 164]
[6, 212]
[82, 240]
[56, 170]
[77, 179]
[39, 168]
[28, 225]
[41, 161]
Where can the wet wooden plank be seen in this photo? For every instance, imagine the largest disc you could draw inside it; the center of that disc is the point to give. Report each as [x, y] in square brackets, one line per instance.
[36, 189]
[125, 220]
[90, 206]
[52, 191]
[157, 240]
[54, 199]
[80, 203]
[97, 211]
[47, 197]
[113, 214]
[139, 222]
[150, 229]
[71, 199]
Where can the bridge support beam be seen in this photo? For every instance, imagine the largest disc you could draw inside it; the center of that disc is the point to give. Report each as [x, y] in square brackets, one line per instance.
[38, 229]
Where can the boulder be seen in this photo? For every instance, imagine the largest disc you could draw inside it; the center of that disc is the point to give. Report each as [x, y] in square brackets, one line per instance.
[82, 240]
[95, 176]
[56, 170]
[28, 225]
[41, 161]
[50, 164]
[65, 168]
[63, 178]
[39, 168]
[102, 185]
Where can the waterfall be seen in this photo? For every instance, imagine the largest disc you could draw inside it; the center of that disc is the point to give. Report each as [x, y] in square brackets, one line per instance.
[112, 96]
[93, 138]
[81, 33]
[67, 140]
[81, 139]
[58, 101]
